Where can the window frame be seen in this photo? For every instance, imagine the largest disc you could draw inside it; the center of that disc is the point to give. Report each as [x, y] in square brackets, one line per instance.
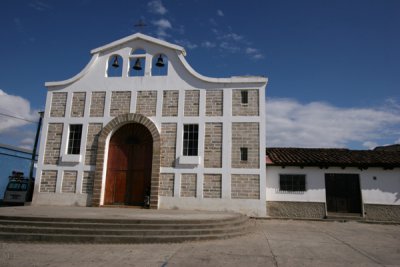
[190, 140]
[74, 139]
[292, 182]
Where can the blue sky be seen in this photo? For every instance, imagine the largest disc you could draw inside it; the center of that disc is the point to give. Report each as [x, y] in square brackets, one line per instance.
[333, 66]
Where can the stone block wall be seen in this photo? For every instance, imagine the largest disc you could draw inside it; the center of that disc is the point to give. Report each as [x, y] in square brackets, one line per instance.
[245, 134]
[245, 186]
[58, 104]
[69, 182]
[78, 104]
[214, 102]
[250, 109]
[53, 143]
[170, 103]
[377, 212]
[166, 184]
[146, 103]
[97, 104]
[188, 185]
[48, 181]
[192, 101]
[94, 130]
[168, 144]
[212, 186]
[291, 209]
[87, 182]
[213, 145]
[120, 103]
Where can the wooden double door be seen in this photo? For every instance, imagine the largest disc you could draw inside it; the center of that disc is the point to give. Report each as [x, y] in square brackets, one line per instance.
[129, 165]
[343, 193]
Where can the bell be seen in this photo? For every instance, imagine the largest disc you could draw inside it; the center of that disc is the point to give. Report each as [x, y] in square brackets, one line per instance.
[115, 63]
[137, 65]
[160, 62]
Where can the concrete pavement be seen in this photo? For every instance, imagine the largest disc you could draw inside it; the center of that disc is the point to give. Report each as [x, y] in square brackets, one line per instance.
[273, 243]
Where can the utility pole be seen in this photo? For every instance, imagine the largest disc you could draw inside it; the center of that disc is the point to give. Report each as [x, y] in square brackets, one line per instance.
[36, 143]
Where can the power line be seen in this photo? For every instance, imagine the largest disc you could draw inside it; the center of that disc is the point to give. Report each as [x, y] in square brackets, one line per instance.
[15, 117]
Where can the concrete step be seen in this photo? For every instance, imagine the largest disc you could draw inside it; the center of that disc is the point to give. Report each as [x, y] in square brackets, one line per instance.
[123, 224]
[126, 221]
[110, 239]
[83, 230]
[142, 232]
[343, 217]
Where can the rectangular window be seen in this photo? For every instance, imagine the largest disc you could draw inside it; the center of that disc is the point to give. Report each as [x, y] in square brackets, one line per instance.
[74, 140]
[245, 96]
[292, 182]
[190, 139]
[243, 153]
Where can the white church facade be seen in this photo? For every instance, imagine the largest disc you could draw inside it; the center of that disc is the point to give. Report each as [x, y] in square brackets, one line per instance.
[138, 126]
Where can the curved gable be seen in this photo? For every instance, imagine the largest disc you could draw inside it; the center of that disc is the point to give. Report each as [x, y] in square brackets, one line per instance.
[179, 70]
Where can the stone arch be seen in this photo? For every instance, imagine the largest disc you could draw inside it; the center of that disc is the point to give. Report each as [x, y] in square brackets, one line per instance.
[113, 125]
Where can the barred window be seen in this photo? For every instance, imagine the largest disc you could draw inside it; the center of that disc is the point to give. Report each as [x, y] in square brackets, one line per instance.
[292, 182]
[74, 140]
[245, 96]
[190, 139]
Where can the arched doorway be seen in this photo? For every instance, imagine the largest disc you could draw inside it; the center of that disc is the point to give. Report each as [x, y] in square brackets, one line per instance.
[129, 166]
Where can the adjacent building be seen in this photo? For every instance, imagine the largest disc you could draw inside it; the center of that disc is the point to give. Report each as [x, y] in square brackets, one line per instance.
[317, 183]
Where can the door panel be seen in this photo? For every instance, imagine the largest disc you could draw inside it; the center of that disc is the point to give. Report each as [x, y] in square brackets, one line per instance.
[343, 193]
[129, 166]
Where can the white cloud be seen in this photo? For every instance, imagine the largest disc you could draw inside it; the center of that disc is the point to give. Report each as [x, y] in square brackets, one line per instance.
[156, 7]
[370, 144]
[39, 6]
[250, 50]
[12, 129]
[208, 44]
[220, 13]
[213, 22]
[186, 43]
[27, 142]
[229, 47]
[254, 53]
[258, 56]
[15, 106]
[162, 23]
[162, 26]
[317, 124]
[18, 24]
[232, 36]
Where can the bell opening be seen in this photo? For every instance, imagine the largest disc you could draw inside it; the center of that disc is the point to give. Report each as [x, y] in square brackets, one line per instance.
[115, 62]
[137, 65]
[160, 62]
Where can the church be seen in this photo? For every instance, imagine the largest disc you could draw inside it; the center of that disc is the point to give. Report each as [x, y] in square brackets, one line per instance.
[138, 126]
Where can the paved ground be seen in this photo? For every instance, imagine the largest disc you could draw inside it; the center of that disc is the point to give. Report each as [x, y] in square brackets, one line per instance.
[273, 243]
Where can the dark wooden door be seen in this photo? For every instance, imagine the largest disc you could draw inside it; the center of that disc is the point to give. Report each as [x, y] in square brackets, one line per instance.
[129, 166]
[343, 193]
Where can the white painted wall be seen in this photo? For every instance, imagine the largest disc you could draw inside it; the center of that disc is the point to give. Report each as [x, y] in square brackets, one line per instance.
[385, 189]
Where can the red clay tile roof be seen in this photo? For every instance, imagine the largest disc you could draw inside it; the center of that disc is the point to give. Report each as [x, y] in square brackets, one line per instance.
[329, 157]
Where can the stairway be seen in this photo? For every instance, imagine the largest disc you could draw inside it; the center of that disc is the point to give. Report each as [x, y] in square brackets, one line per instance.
[344, 217]
[92, 230]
